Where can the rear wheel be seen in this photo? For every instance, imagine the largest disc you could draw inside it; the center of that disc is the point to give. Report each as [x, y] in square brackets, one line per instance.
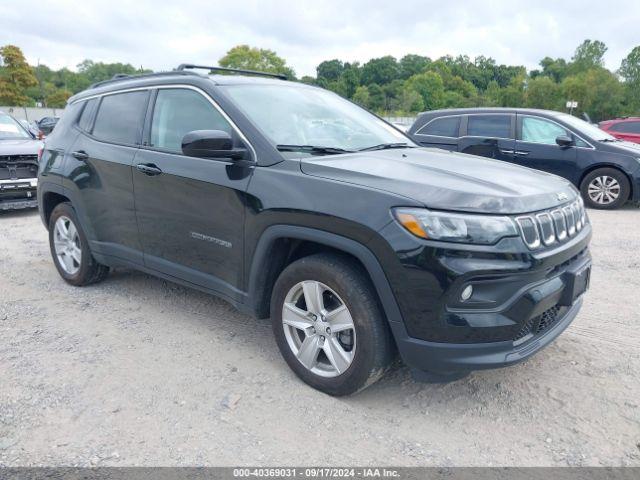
[328, 325]
[70, 248]
[605, 188]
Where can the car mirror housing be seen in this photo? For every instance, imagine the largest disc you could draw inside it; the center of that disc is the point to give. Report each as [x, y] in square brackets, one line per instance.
[211, 144]
[565, 141]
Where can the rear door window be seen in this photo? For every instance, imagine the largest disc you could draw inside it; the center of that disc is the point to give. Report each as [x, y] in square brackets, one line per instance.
[442, 127]
[493, 126]
[626, 127]
[120, 117]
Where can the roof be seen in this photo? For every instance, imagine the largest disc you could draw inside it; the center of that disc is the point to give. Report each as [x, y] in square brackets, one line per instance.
[462, 111]
[122, 82]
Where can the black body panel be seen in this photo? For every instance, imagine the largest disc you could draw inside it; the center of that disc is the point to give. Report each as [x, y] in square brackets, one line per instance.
[227, 227]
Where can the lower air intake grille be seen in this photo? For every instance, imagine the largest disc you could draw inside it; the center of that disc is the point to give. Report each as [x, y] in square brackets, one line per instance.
[537, 325]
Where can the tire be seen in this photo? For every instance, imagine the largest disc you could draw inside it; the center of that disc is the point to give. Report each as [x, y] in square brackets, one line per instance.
[605, 188]
[67, 246]
[361, 354]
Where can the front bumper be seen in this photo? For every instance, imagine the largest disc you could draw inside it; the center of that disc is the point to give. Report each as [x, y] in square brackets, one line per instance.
[522, 300]
[452, 358]
[19, 193]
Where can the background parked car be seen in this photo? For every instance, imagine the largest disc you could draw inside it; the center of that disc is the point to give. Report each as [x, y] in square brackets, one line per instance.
[32, 128]
[627, 128]
[46, 124]
[18, 165]
[605, 169]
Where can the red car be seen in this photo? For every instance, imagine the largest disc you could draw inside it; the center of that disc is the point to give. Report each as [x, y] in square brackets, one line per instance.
[627, 128]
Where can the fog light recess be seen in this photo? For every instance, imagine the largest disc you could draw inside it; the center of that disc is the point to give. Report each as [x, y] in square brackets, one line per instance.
[466, 293]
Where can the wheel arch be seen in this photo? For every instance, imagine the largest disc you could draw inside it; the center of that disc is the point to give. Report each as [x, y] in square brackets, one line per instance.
[49, 198]
[599, 166]
[279, 245]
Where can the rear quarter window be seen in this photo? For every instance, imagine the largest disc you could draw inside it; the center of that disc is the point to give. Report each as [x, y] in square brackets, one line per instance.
[120, 117]
[84, 122]
[442, 127]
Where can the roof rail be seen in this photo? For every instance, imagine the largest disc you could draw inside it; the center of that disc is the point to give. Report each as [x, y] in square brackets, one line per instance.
[124, 76]
[189, 66]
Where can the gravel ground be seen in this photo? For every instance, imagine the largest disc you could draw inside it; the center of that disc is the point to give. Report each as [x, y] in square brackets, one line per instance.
[138, 371]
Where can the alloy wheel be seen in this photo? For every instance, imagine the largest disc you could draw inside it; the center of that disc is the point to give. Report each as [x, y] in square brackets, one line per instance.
[319, 328]
[604, 190]
[66, 243]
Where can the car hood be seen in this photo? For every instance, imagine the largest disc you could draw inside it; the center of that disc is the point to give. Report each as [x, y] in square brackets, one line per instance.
[446, 180]
[20, 147]
[625, 147]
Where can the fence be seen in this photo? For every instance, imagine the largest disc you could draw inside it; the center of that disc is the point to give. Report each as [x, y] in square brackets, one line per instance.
[32, 113]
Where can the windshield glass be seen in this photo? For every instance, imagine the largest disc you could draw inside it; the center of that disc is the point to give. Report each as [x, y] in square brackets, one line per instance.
[10, 129]
[291, 115]
[583, 127]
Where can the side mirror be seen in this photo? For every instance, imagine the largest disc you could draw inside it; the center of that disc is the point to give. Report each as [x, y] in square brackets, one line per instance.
[564, 141]
[210, 144]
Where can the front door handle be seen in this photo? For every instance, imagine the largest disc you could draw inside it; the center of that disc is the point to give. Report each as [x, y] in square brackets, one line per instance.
[506, 151]
[80, 155]
[521, 153]
[149, 169]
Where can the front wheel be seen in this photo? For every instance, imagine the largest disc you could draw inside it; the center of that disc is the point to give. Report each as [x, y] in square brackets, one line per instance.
[605, 188]
[328, 325]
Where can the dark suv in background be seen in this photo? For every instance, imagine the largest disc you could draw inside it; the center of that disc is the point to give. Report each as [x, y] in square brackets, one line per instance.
[292, 203]
[605, 169]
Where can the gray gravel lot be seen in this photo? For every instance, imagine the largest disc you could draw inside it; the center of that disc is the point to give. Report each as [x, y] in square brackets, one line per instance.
[138, 371]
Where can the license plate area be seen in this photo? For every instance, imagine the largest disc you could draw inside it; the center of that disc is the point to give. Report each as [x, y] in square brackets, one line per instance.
[576, 284]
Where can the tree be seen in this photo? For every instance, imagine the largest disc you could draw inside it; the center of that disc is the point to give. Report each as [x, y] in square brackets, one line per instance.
[361, 96]
[58, 99]
[430, 87]
[554, 68]
[15, 77]
[330, 70]
[380, 71]
[630, 67]
[597, 91]
[412, 64]
[589, 54]
[543, 92]
[260, 59]
[377, 97]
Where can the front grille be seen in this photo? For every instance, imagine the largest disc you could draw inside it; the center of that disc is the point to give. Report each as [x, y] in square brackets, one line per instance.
[552, 226]
[537, 325]
[14, 167]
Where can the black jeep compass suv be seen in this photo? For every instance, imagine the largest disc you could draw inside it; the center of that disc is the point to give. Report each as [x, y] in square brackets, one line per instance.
[293, 203]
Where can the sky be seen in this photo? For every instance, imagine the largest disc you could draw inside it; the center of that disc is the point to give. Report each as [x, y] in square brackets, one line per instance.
[160, 35]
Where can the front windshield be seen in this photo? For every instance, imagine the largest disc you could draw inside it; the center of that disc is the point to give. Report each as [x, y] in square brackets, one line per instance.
[10, 129]
[583, 127]
[292, 115]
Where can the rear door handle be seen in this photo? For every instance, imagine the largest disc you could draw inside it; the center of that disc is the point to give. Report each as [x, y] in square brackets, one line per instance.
[149, 169]
[521, 153]
[506, 151]
[80, 155]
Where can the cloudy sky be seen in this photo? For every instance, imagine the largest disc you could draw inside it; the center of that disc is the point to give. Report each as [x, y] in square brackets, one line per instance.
[160, 35]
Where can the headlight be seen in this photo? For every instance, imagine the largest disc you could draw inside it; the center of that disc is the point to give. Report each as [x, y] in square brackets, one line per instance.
[455, 227]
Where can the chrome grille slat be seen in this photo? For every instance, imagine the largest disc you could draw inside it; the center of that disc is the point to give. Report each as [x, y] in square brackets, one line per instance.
[552, 226]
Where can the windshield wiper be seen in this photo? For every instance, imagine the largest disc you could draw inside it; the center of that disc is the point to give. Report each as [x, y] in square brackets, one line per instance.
[312, 149]
[386, 146]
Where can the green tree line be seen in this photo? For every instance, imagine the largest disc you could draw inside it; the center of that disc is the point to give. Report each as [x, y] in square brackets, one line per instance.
[385, 84]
